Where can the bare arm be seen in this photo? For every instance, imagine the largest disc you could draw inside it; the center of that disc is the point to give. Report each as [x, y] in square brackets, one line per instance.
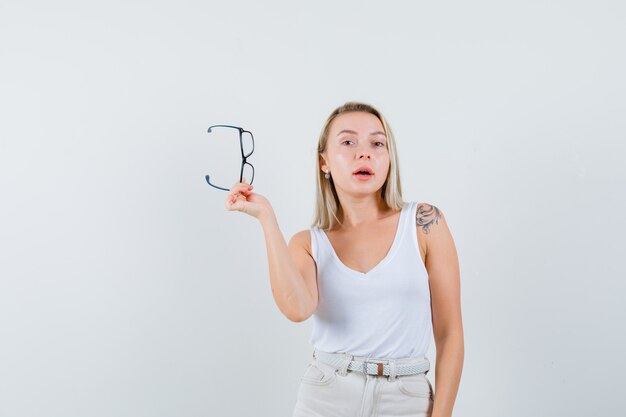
[292, 272]
[292, 269]
[444, 279]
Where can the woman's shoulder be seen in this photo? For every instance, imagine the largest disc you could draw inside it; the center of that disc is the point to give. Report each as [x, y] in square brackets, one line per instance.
[302, 240]
[427, 216]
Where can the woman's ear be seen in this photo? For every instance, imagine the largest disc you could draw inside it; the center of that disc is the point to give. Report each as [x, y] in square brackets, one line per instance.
[323, 163]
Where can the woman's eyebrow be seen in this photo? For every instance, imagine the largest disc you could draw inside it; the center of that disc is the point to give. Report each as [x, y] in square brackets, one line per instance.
[354, 133]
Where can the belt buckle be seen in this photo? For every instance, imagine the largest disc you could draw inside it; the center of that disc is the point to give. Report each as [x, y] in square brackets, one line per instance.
[380, 367]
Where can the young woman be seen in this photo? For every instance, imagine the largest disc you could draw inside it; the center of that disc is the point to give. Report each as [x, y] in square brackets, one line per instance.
[377, 274]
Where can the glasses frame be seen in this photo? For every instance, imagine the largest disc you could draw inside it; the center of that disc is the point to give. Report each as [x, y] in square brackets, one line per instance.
[244, 158]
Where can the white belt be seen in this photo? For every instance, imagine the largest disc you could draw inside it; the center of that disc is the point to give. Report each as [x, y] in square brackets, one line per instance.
[373, 367]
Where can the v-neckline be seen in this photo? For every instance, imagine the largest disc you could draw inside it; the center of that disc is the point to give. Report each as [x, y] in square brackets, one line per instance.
[382, 262]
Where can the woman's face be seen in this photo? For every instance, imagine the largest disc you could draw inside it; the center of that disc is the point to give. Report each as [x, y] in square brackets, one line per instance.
[356, 140]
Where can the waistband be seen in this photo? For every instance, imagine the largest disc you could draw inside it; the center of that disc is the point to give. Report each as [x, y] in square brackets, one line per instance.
[344, 362]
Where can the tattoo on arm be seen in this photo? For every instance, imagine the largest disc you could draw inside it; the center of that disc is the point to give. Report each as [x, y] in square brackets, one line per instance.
[426, 215]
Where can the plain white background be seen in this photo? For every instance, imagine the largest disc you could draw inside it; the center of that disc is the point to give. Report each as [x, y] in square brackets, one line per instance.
[126, 288]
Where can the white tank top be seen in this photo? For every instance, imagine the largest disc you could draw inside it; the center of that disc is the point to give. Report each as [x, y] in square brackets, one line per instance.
[384, 313]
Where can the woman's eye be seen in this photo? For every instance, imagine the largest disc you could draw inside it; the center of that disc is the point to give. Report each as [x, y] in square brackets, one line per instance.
[346, 141]
[381, 144]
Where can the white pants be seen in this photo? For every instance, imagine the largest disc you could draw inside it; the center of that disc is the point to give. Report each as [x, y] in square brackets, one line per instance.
[324, 392]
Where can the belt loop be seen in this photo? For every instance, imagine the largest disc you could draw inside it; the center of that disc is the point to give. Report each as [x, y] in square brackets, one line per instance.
[343, 367]
[392, 370]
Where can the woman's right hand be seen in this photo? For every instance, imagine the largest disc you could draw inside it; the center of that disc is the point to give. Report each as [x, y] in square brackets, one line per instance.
[242, 198]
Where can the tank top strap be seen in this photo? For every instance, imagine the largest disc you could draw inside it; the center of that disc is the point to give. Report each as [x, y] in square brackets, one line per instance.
[316, 241]
[409, 218]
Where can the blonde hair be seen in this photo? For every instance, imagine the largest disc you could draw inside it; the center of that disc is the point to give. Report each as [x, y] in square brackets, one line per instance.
[328, 207]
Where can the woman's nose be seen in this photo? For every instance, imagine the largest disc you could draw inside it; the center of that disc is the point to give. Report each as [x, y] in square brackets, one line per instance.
[362, 152]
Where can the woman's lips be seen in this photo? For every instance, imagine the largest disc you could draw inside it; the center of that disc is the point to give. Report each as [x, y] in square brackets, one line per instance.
[363, 177]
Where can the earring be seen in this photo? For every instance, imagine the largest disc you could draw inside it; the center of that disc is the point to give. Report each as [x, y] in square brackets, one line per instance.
[327, 175]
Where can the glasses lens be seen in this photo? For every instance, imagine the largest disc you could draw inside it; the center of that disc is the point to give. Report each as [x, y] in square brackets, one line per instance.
[248, 172]
[248, 144]
[224, 159]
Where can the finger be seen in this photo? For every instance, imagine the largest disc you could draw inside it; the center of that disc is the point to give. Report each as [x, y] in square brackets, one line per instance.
[233, 196]
[240, 188]
[240, 203]
[235, 203]
[243, 181]
[241, 184]
[239, 192]
[238, 197]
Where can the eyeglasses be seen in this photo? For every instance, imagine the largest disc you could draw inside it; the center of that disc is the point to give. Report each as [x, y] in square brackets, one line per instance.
[245, 138]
